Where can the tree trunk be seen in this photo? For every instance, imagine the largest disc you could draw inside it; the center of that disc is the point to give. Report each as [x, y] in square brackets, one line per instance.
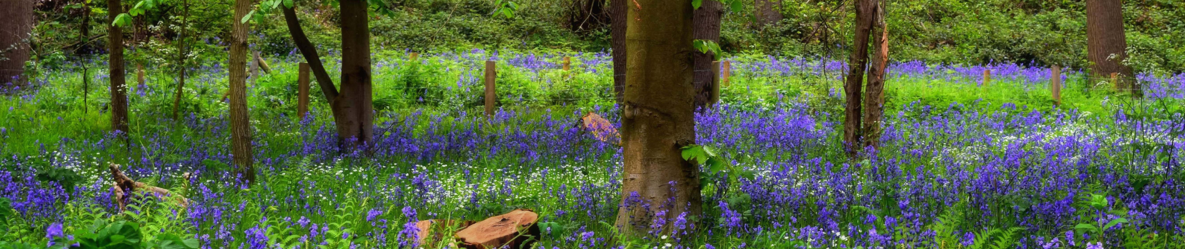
[658, 118]
[119, 88]
[1105, 41]
[240, 126]
[181, 59]
[874, 95]
[766, 13]
[618, 10]
[854, 82]
[355, 123]
[706, 25]
[84, 31]
[17, 16]
[310, 55]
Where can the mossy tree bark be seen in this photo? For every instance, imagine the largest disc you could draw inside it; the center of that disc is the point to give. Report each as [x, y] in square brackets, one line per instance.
[658, 117]
[874, 95]
[853, 84]
[1106, 44]
[240, 125]
[115, 62]
[17, 16]
[618, 16]
[355, 123]
[706, 25]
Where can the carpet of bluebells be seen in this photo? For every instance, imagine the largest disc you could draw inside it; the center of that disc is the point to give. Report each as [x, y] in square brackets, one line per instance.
[961, 166]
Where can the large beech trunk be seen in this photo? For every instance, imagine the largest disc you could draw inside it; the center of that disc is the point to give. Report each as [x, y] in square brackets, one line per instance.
[1105, 41]
[865, 11]
[618, 10]
[17, 16]
[658, 118]
[240, 127]
[119, 88]
[706, 25]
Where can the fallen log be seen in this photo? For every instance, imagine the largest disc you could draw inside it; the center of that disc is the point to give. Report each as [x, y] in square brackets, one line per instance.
[125, 188]
[516, 229]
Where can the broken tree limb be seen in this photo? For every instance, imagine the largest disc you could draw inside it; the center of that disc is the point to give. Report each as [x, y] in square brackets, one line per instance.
[125, 188]
[600, 127]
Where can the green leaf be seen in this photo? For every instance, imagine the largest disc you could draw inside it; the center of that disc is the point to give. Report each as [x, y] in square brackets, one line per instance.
[1086, 227]
[122, 20]
[247, 17]
[737, 6]
[288, 3]
[1114, 222]
[715, 166]
[697, 3]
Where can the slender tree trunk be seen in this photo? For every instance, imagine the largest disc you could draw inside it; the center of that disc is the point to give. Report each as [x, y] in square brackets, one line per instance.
[766, 13]
[17, 16]
[119, 88]
[706, 25]
[1105, 41]
[618, 10]
[310, 56]
[874, 95]
[85, 31]
[355, 124]
[658, 117]
[854, 82]
[240, 127]
[181, 53]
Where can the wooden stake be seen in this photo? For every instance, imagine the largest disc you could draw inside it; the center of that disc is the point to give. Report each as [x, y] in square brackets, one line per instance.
[567, 63]
[987, 77]
[715, 84]
[1055, 85]
[1115, 81]
[727, 70]
[302, 98]
[140, 74]
[414, 55]
[491, 95]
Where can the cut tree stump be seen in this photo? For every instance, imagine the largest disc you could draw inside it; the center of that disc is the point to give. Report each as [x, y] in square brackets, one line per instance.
[517, 229]
[600, 127]
[432, 232]
[122, 183]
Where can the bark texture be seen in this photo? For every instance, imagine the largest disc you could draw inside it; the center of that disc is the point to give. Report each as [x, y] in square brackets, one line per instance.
[354, 124]
[766, 13]
[119, 88]
[706, 25]
[17, 16]
[618, 11]
[240, 126]
[1106, 44]
[658, 117]
[874, 92]
[853, 84]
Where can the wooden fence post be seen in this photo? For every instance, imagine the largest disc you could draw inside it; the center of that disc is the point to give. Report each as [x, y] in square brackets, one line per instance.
[567, 63]
[987, 77]
[302, 98]
[414, 55]
[1055, 85]
[491, 95]
[715, 84]
[727, 72]
[140, 75]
